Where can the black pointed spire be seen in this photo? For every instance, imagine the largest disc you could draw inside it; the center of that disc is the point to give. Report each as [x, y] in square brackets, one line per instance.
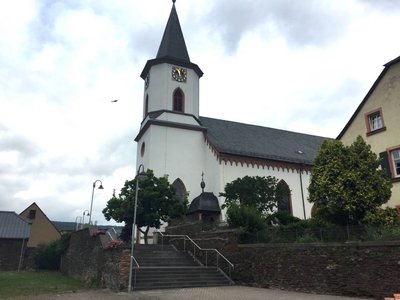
[172, 48]
[173, 43]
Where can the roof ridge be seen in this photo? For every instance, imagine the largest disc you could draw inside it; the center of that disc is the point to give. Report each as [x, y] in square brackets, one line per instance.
[261, 126]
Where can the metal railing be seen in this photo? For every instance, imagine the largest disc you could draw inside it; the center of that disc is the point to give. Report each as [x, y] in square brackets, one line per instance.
[138, 267]
[200, 250]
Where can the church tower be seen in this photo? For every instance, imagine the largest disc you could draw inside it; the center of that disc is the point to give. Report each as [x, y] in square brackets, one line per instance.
[171, 138]
[171, 80]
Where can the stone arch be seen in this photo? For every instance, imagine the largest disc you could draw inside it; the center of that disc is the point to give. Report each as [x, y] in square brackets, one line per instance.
[180, 189]
[283, 197]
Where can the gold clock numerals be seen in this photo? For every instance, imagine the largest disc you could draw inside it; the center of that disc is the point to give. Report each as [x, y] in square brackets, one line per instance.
[179, 74]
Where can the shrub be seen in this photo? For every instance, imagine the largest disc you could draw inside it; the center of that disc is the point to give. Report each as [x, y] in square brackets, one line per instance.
[382, 217]
[48, 256]
[246, 217]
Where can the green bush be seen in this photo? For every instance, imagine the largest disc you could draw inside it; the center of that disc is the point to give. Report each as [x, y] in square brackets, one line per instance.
[246, 217]
[383, 233]
[282, 218]
[307, 237]
[382, 217]
[48, 256]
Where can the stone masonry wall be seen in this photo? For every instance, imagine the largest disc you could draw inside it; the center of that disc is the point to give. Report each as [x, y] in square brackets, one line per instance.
[370, 269]
[87, 259]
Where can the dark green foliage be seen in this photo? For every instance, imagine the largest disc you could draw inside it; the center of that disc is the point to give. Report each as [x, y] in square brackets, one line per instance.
[280, 218]
[156, 203]
[256, 191]
[346, 184]
[246, 217]
[48, 256]
[382, 217]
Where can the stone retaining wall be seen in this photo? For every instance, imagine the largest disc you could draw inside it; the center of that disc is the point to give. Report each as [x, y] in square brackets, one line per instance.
[369, 269]
[87, 259]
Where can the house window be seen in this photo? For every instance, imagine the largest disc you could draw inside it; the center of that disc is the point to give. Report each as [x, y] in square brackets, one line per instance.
[395, 156]
[32, 214]
[178, 101]
[374, 122]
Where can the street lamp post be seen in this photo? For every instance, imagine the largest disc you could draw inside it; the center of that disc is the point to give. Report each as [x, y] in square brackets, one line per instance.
[85, 213]
[91, 203]
[139, 176]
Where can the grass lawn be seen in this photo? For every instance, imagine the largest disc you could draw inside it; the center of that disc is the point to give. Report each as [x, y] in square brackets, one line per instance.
[13, 284]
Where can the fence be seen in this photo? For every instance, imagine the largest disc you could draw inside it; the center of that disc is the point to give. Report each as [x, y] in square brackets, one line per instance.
[299, 234]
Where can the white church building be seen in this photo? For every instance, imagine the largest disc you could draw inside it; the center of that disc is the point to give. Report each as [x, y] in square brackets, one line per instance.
[174, 140]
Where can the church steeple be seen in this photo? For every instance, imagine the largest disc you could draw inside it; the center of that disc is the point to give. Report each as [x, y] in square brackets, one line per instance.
[173, 43]
[172, 48]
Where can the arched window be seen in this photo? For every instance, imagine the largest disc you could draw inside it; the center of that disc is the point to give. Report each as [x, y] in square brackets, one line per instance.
[178, 101]
[180, 189]
[146, 105]
[283, 198]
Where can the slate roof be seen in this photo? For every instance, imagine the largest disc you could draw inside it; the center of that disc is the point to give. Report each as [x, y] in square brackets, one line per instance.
[204, 202]
[71, 226]
[172, 47]
[173, 43]
[12, 226]
[261, 142]
[64, 226]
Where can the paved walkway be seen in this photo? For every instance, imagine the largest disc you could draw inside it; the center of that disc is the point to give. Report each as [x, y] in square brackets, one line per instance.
[231, 293]
[212, 293]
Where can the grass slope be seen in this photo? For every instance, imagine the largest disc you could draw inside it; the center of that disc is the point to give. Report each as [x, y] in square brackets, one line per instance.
[13, 284]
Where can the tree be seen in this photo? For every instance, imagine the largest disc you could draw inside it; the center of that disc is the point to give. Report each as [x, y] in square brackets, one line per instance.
[256, 191]
[347, 184]
[156, 203]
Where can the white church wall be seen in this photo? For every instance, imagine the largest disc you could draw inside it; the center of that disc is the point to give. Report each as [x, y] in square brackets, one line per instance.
[175, 152]
[231, 172]
[161, 85]
[178, 118]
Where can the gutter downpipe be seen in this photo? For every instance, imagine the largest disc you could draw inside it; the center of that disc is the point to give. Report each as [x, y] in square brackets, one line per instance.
[302, 193]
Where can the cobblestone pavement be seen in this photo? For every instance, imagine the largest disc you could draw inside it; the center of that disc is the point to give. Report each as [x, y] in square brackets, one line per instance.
[231, 293]
[212, 293]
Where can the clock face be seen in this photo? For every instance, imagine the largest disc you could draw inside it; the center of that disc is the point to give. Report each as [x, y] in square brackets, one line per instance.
[147, 81]
[179, 74]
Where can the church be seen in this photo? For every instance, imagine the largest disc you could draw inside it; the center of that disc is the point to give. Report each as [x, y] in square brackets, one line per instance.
[200, 155]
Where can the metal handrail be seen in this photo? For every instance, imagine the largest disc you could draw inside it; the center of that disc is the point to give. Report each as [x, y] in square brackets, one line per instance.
[198, 247]
[138, 267]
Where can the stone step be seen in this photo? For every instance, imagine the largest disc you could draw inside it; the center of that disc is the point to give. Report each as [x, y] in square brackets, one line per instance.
[179, 278]
[169, 268]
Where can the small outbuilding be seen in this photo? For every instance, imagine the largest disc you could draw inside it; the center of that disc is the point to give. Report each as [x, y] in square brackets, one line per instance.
[204, 207]
[14, 237]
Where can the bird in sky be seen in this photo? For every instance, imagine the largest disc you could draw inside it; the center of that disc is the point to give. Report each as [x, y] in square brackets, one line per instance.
[114, 100]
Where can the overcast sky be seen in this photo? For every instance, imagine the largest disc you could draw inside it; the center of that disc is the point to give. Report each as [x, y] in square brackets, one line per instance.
[297, 65]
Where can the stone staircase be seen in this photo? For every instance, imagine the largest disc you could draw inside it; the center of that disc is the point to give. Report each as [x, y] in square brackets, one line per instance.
[165, 267]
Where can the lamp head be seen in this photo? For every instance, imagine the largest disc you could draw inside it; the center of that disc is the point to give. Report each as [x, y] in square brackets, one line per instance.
[101, 187]
[141, 176]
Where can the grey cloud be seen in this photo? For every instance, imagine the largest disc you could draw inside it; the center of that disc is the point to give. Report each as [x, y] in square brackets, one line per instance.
[13, 142]
[302, 23]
